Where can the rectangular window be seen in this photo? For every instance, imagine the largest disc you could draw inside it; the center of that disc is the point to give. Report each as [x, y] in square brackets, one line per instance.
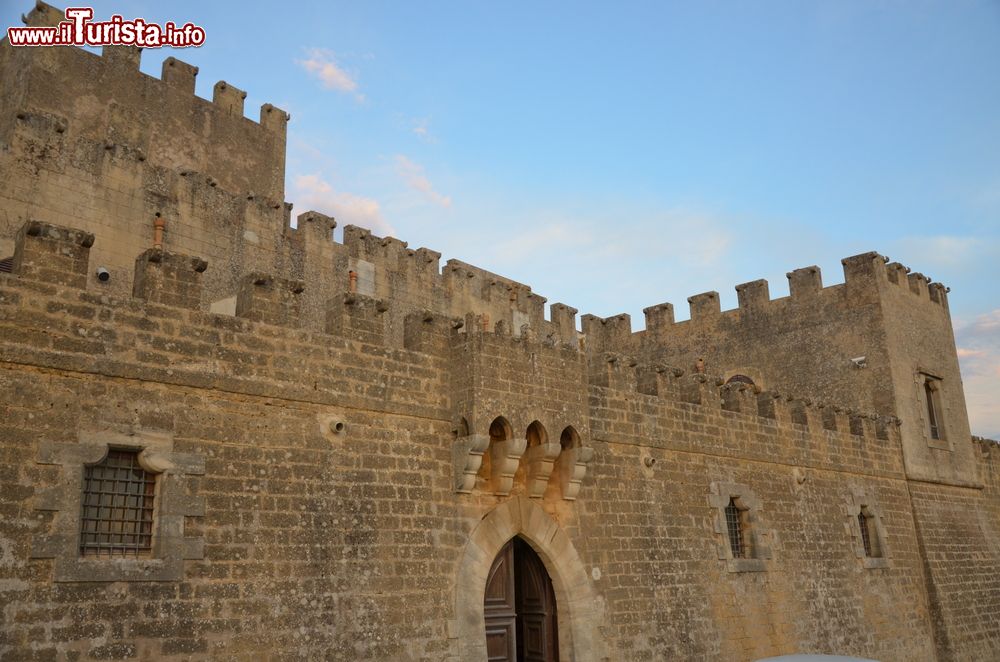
[866, 536]
[869, 537]
[734, 526]
[117, 515]
[932, 393]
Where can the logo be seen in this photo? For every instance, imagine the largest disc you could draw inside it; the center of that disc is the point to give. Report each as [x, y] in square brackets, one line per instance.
[79, 30]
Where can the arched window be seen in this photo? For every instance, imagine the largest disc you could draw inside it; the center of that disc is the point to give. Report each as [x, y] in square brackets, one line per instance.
[536, 434]
[865, 522]
[499, 429]
[569, 438]
[741, 379]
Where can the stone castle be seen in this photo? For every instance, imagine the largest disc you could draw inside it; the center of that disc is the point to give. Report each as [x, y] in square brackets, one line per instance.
[225, 436]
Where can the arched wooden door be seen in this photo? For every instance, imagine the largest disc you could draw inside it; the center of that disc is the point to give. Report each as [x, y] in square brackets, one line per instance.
[520, 607]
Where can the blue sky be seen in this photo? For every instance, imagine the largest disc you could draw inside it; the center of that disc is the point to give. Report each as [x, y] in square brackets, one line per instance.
[618, 155]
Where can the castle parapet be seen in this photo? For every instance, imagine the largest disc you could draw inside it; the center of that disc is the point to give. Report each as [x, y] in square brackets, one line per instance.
[564, 323]
[702, 389]
[659, 319]
[124, 58]
[737, 396]
[178, 74]
[53, 254]
[613, 370]
[264, 298]
[607, 334]
[753, 295]
[43, 15]
[805, 283]
[161, 118]
[705, 306]
[228, 98]
[358, 317]
[429, 332]
[170, 279]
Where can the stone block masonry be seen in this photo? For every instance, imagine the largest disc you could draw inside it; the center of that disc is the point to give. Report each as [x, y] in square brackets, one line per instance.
[338, 453]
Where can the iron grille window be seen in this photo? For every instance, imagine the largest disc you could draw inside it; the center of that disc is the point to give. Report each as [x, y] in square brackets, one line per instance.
[117, 516]
[734, 526]
[866, 539]
[930, 394]
[869, 540]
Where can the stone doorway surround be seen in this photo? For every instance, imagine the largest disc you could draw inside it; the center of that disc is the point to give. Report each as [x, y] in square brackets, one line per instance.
[581, 609]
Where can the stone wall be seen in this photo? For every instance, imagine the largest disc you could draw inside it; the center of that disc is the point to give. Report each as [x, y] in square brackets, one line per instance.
[345, 434]
[325, 515]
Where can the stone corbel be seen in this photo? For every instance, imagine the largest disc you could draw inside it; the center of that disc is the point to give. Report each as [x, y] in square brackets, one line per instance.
[572, 468]
[467, 458]
[540, 460]
[504, 458]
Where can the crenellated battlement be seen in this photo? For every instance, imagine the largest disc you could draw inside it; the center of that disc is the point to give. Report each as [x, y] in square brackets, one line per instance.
[172, 280]
[160, 117]
[354, 430]
[233, 165]
[861, 273]
[149, 163]
[627, 374]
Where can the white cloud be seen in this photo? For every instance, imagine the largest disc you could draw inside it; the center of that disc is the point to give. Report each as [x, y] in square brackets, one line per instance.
[314, 193]
[322, 64]
[979, 355]
[413, 176]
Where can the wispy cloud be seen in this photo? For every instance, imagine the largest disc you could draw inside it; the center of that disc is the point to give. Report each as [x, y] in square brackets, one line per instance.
[696, 240]
[413, 176]
[322, 64]
[979, 355]
[421, 129]
[313, 192]
[942, 251]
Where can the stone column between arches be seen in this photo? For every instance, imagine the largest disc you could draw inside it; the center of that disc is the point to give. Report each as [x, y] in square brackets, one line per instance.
[580, 609]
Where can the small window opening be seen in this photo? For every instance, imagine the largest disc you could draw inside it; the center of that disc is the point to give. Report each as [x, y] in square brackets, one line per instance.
[569, 438]
[117, 515]
[933, 407]
[7, 265]
[740, 379]
[535, 434]
[869, 536]
[499, 429]
[734, 526]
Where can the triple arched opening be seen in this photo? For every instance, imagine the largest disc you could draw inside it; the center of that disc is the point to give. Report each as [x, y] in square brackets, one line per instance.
[533, 460]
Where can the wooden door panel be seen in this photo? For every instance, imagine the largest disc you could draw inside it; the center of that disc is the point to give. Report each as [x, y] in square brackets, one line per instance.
[499, 608]
[535, 640]
[520, 607]
[500, 583]
[536, 607]
[501, 642]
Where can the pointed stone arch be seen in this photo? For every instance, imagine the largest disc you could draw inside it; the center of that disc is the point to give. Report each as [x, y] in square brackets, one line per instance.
[580, 608]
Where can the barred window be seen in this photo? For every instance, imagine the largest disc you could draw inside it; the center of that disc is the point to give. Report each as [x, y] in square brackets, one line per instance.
[734, 526]
[869, 538]
[117, 515]
[931, 388]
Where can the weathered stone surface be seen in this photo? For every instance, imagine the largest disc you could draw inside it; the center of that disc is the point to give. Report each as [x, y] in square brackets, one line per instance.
[344, 445]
